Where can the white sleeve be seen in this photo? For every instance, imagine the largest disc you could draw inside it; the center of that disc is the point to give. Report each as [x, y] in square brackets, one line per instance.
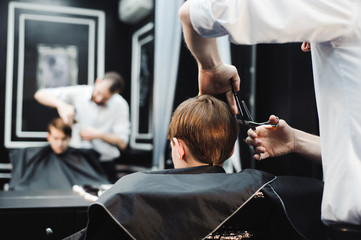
[122, 124]
[274, 21]
[67, 94]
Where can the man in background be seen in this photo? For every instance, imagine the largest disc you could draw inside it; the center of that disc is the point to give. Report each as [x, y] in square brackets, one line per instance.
[98, 114]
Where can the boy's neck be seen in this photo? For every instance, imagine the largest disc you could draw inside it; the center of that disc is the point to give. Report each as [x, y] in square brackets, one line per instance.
[194, 163]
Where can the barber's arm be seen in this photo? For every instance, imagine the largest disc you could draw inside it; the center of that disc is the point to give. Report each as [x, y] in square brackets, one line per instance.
[214, 75]
[118, 135]
[269, 141]
[90, 133]
[65, 110]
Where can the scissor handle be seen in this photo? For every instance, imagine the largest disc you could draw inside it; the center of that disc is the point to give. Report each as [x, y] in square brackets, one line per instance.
[256, 124]
[253, 125]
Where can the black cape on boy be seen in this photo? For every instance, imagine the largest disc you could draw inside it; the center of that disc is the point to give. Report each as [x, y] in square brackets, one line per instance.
[184, 204]
[37, 168]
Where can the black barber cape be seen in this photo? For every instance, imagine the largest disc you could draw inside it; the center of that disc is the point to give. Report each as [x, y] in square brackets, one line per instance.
[193, 206]
[40, 168]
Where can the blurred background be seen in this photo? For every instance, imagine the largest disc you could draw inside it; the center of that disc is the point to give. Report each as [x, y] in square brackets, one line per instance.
[49, 43]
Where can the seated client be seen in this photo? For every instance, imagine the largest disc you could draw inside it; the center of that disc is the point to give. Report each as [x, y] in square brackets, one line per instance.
[55, 166]
[202, 133]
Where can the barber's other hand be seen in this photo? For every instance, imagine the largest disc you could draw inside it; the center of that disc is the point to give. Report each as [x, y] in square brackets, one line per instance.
[268, 141]
[67, 113]
[306, 47]
[89, 133]
[216, 81]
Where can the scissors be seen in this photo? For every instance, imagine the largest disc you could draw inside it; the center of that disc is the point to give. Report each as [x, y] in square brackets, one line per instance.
[246, 119]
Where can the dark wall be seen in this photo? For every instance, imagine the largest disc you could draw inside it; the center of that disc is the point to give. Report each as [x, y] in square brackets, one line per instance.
[3, 29]
[285, 88]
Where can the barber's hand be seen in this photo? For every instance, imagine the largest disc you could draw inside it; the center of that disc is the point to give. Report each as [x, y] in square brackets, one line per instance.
[216, 81]
[306, 47]
[268, 141]
[89, 133]
[66, 112]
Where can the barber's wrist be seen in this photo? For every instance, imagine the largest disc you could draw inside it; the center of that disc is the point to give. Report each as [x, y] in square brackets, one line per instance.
[60, 104]
[302, 141]
[295, 143]
[209, 64]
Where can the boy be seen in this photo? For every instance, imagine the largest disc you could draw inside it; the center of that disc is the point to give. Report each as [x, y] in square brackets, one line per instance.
[59, 135]
[55, 166]
[202, 132]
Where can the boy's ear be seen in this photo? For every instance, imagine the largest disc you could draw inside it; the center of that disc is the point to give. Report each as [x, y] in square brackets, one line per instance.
[179, 144]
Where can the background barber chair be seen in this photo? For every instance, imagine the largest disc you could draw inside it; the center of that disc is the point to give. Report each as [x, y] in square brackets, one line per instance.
[5, 175]
[344, 232]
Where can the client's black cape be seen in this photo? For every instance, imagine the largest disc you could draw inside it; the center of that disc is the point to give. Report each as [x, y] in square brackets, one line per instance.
[41, 168]
[193, 206]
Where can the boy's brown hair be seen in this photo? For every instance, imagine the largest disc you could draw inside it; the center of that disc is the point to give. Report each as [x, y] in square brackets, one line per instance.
[59, 124]
[208, 128]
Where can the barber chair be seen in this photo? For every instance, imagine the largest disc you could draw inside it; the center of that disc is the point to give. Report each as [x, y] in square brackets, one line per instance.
[339, 231]
[5, 175]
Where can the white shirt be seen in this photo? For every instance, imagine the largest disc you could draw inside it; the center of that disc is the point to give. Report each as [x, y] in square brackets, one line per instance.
[111, 118]
[333, 27]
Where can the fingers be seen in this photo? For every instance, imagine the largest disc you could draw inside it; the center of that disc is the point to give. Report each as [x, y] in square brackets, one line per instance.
[67, 113]
[303, 46]
[82, 134]
[257, 157]
[67, 120]
[232, 102]
[274, 120]
[85, 136]
[259, 149]
[306, 47]
[70, 120]
[260, 153]
[251, 139]
[256, 143]
[236, 81]
[251, 134]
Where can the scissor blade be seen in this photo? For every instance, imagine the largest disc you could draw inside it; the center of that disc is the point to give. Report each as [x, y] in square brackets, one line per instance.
[245, 122]
[249, 116]
[236, 98]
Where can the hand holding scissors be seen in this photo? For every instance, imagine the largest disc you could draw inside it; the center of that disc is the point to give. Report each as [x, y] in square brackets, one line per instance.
[247, 119]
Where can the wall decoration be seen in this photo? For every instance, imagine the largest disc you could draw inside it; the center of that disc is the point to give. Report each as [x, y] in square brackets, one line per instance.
[142, 88]
[57, 66]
